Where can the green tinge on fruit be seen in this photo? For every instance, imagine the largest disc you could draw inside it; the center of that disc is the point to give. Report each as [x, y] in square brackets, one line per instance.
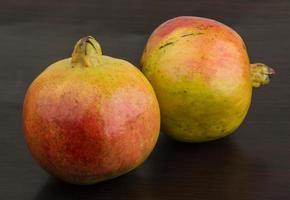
[191, 111]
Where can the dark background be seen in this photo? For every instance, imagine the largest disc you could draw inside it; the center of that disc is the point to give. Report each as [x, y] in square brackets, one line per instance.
[254, 163]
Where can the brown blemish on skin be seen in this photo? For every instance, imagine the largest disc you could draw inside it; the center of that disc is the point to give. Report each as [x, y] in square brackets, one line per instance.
[193, 34]
[185, 35]
[166, 44]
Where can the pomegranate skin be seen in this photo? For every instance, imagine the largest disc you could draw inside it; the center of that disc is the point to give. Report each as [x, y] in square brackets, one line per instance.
[202, 76]
[91, 117]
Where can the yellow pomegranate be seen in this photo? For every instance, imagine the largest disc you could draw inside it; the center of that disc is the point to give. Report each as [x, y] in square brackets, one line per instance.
[200, 71]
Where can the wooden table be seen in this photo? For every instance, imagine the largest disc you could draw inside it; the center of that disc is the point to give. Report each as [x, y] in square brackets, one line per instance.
[254, 163]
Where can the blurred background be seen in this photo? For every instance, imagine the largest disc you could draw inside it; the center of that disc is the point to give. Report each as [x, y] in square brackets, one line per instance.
[251, 164]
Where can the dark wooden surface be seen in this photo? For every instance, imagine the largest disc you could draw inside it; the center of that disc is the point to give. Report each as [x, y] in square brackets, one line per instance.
[254, 163]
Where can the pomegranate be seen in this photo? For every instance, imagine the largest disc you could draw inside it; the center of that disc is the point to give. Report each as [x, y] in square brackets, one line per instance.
[90, 117]
[200, 71]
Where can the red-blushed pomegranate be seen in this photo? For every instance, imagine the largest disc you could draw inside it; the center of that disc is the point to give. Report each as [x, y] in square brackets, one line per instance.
[202, 76]
[91, 117]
